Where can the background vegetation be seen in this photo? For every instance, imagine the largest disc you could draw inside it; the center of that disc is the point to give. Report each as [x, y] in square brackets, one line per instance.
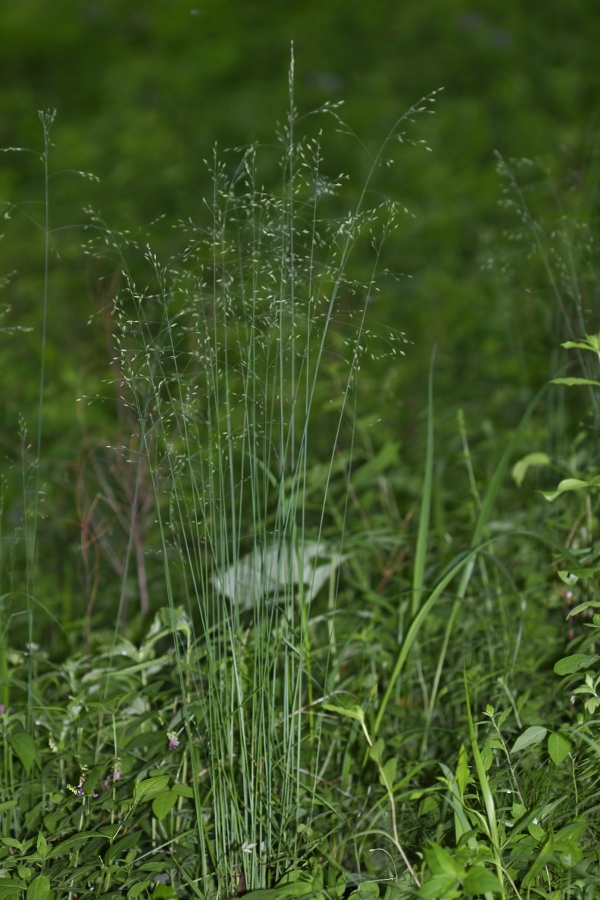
[489, 256]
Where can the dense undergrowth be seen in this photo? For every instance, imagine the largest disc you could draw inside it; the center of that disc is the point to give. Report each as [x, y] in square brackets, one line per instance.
[349, 677]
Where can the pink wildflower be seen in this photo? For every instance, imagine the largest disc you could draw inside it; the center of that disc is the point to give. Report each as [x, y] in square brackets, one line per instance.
[173, 740]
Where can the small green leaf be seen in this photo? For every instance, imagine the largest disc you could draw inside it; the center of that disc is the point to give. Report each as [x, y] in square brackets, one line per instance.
[387, 774]
[536, 831]
[8, 804]
[39, 888]
[24, 872]
[136, 889]
[24, 746]
[568, 578]
[559, 747]
[149, 787]
[183, 790]
[376, 750]
[530, 736]
[91, 780]
[519, 470]
[569, 664]
[42, 846]
[164, 803]
[480, 880]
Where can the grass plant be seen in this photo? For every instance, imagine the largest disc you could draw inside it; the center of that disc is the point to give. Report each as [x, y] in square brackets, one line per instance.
[326, 700]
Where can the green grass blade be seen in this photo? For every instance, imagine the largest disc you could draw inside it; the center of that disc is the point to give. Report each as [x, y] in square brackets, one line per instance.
[425, 516]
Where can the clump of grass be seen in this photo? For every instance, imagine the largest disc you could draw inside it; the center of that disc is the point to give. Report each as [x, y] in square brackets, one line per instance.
[234, 356]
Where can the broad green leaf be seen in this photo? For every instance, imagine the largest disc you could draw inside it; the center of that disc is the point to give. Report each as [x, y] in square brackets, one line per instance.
[8, 804]
[480, 880]
[24, 872]
[164, 803]
[183, 790]
[387, 775]
[441, 862]
[9, 889]
[530, 736]
[367, 890]
[67, 845]
[519, 470]
[569, 484]
[569, 664]
[131, 840]
[39, 888]
[42, 846]
[572, 381]
[149, 787]
[24, 746]
[91, 780]
[569, 578]
[136, 889]
[559, 747]
[12, 843]
[376, 750]
[437, 887]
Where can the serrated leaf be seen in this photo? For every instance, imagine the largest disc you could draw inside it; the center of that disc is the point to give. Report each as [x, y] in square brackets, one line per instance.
[559, 747]
[530, 736]
[39, 888]
[24, 746]
[164, 803]
[569, 664]
[480, 880]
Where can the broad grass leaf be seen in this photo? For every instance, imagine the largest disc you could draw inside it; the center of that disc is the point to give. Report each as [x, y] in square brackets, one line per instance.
[480, 880]
[24, 746]
[569, 664]
[559, 747]
[164, 803]
[532, 735]
[39, 888]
